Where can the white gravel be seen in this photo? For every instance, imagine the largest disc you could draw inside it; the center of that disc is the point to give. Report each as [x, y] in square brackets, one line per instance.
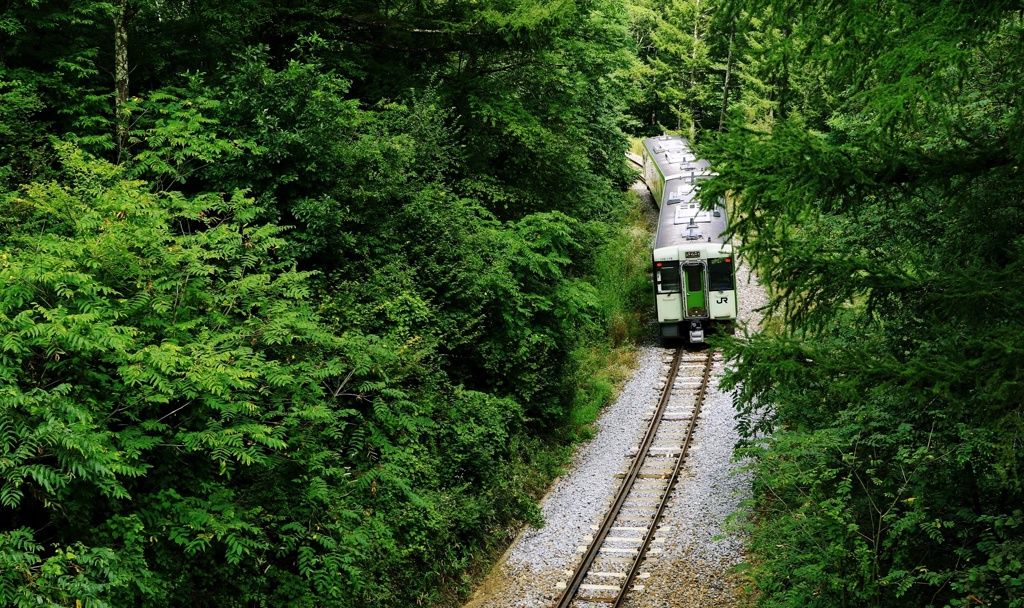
[695, 567]
[540, 557]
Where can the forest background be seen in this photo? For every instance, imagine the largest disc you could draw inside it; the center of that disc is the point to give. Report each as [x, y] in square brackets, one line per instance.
[304, 303]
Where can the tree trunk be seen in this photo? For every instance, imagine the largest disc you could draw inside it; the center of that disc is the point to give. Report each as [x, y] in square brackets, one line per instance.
[725, 85]
[693, 72]
[122, 15]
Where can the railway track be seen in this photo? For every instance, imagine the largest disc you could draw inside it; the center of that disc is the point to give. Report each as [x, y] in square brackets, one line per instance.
[637, 162]
[611, 566]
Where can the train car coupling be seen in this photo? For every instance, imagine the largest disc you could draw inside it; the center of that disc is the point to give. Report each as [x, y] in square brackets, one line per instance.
[696, 332]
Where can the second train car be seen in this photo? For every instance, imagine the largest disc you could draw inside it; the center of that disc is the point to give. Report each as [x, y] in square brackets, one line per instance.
[694, 281]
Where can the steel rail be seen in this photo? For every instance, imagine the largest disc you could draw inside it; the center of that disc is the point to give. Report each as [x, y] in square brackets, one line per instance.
[573, 586]
[641, 167]
[635, 568]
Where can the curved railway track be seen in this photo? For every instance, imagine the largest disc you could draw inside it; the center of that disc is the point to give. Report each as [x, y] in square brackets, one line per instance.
[611, 564]
[637, 162]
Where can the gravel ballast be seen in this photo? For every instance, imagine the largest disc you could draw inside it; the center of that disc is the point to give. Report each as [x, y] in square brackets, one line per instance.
[694, 569]
[699, 553]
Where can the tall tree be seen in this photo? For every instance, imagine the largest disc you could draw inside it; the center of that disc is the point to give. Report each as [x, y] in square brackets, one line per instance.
[123, 13]
[304, 343]
[876, 182]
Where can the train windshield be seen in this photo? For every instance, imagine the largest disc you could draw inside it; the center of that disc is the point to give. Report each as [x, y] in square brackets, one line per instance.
[668, 278]
[720, 274]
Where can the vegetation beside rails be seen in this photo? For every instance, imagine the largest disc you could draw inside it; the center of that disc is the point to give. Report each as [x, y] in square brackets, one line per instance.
[880, 416]
[602, 362]
[289, 318]
[621, 275]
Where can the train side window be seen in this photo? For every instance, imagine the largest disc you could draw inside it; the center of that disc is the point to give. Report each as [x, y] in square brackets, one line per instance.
[668, 278]
[694, 274]
[720, 277]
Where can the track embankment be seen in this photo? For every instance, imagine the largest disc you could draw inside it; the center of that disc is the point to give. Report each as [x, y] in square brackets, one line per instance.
[696, 554]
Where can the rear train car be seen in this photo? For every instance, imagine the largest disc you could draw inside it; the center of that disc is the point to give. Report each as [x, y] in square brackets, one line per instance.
[694, 281]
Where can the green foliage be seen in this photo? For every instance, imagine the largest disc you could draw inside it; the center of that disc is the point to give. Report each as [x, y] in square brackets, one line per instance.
[75, 575]
[622, 272]
[160, 330]
[20, 137]
[690, 52]
[878, 194]
[683, 61]
[321, 336]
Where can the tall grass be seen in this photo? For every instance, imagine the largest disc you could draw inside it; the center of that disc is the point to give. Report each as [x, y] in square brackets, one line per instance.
[636, 145]
[621, 276]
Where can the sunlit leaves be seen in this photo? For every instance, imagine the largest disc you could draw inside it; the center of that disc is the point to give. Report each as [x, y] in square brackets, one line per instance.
[177, 315]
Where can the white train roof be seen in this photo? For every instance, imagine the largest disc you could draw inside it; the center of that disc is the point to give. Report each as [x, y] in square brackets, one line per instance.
[681, 220]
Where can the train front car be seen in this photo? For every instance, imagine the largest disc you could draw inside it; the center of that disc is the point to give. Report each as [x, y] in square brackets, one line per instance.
[694, 282]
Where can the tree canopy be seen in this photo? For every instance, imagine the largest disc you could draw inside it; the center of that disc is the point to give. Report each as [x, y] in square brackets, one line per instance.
[294, 294]
[875, 171]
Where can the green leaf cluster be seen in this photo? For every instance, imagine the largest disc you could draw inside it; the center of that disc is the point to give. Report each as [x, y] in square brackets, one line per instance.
[878, 195]
[309, 331]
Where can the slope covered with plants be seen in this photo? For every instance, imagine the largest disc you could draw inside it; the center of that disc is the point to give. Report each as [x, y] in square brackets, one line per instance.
[294, 294]
[874, 155]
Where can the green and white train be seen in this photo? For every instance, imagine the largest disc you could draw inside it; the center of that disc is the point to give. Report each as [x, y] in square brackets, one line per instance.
[694, 281]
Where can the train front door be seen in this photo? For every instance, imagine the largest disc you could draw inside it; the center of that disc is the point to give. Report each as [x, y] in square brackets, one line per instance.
[696, 299]
[696, 294]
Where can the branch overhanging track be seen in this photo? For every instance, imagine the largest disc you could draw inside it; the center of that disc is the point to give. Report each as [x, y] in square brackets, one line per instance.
[661, 454]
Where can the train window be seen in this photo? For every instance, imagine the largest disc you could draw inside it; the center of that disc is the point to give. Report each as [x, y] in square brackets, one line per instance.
[720, 274]
[694, 274]
[668, 278]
